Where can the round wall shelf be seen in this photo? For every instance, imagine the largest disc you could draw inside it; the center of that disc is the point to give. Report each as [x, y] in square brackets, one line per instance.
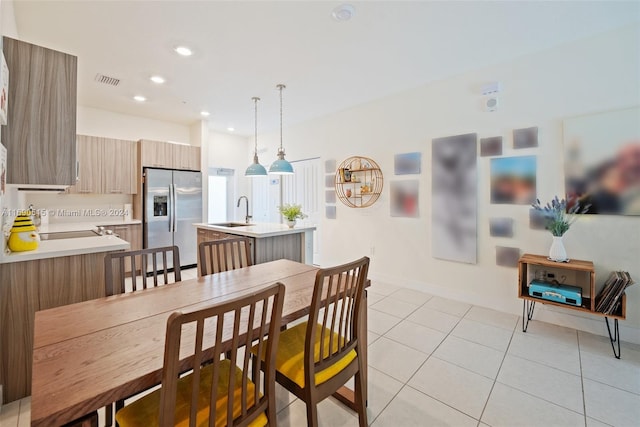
[358, 182]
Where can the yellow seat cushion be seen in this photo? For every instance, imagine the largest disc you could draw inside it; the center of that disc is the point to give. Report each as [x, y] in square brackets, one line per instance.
[290, 354]
[144, 412]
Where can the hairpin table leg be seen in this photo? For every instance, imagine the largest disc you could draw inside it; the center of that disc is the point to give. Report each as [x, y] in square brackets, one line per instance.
[527, 313]
[615, 338]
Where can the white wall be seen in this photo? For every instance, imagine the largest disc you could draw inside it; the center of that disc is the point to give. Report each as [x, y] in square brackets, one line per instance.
[8, 25]
[97, 122]
[588, 76]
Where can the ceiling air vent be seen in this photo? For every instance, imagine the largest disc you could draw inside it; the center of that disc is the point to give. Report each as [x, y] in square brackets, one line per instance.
[112, 81]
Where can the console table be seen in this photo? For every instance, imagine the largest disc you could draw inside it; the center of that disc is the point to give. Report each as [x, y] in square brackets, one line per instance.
[576, 273]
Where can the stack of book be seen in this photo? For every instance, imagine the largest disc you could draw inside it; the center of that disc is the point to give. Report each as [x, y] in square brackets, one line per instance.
[609, 300]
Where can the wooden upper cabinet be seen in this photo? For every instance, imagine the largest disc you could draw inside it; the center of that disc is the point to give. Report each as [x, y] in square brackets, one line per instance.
[120, 160]
[40, 134]
[155, 154]
[106, 166]
[187, 157]
[158, 154]
[89, 150]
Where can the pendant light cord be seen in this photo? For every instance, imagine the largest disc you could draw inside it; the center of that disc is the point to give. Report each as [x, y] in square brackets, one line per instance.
[255, 100]
[281, 86]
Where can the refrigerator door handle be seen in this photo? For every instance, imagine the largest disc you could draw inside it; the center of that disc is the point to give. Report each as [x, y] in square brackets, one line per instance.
[170, 209]
[175, 208]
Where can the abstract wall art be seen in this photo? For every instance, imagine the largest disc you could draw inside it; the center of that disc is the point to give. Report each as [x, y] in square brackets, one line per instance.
[507, 257]
[407, 163]
[537, 221]
[491, 146]
[330, 196]
[454, 198]
[404, 199]
[330, 212]
[501, 227]
[525, 138]
[513, 180]
[602, 161]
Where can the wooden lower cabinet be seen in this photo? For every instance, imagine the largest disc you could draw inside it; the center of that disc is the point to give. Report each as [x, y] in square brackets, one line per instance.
[29, 286]
[263, 249]
[205, 235]
[288, 246]
[131, 233]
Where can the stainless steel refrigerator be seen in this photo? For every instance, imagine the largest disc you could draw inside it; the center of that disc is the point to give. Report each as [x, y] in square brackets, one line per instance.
[172, 203]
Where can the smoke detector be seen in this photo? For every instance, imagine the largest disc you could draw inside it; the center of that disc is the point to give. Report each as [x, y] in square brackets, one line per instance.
[343, 13]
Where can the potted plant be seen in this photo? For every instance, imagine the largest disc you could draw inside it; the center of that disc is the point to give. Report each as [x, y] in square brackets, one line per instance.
[291, 213]
[558, 220]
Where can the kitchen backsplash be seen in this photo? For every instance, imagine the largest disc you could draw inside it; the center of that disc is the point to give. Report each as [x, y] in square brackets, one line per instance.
[66, 208]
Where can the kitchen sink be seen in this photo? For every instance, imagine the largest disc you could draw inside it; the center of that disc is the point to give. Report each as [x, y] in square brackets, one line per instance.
[231, 224]
[68, 235]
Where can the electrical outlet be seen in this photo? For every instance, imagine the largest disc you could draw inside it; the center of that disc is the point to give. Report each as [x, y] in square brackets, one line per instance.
[372, 250]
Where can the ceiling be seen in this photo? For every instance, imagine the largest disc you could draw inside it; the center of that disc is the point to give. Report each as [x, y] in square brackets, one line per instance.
[243, 49]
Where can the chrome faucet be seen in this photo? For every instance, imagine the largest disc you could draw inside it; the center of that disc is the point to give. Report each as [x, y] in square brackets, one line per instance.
[247, 217]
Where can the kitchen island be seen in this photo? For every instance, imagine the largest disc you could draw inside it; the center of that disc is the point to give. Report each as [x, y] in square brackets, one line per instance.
[60, 272]
[269, 242]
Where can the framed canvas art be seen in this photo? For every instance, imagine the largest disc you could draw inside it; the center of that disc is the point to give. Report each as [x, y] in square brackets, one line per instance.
[454, 181]
[4, 90]
[602, 161]
[513, 180]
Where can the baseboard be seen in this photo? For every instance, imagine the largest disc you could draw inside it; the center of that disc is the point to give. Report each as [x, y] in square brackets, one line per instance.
[551, 314]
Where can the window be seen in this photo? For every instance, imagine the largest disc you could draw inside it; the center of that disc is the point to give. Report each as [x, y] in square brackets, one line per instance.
[220, 206]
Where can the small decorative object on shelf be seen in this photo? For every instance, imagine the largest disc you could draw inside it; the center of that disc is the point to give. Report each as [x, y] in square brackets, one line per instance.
[556, 215]
[291, 213]
[358, 182]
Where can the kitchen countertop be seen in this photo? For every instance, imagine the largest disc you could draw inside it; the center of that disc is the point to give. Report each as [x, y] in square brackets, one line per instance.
[80, 226]
[258, 230]
[69, 247]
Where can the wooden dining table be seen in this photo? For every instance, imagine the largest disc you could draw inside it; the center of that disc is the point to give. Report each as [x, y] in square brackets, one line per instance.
[96, 352]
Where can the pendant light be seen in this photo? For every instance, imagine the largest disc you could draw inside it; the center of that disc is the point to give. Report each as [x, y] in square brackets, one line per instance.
[281, 166]
[256, 169]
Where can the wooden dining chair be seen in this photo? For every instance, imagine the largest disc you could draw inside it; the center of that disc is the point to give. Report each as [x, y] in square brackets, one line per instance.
[148, 268]
[335, 327]
[224, 255]
[218, 393]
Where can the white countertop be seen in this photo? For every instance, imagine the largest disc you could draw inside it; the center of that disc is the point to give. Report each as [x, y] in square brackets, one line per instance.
[68, 247]
[58, 227]
[258, 230]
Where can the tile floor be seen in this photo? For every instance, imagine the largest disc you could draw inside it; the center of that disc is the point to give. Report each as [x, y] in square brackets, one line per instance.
[434, 361]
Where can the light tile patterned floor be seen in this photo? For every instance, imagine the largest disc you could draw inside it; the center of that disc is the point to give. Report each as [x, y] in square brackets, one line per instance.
[434, 361]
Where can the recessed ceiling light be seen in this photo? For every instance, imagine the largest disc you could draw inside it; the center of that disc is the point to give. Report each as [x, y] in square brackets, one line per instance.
[157, 79]
[204, 113]
[230, 129]
[139, 98]
[184, 51]
[343, 13]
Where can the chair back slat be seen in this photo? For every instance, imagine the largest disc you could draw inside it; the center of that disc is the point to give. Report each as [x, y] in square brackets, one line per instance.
[204, 334]
[224, 255]
[337, 300]
[147, 265]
